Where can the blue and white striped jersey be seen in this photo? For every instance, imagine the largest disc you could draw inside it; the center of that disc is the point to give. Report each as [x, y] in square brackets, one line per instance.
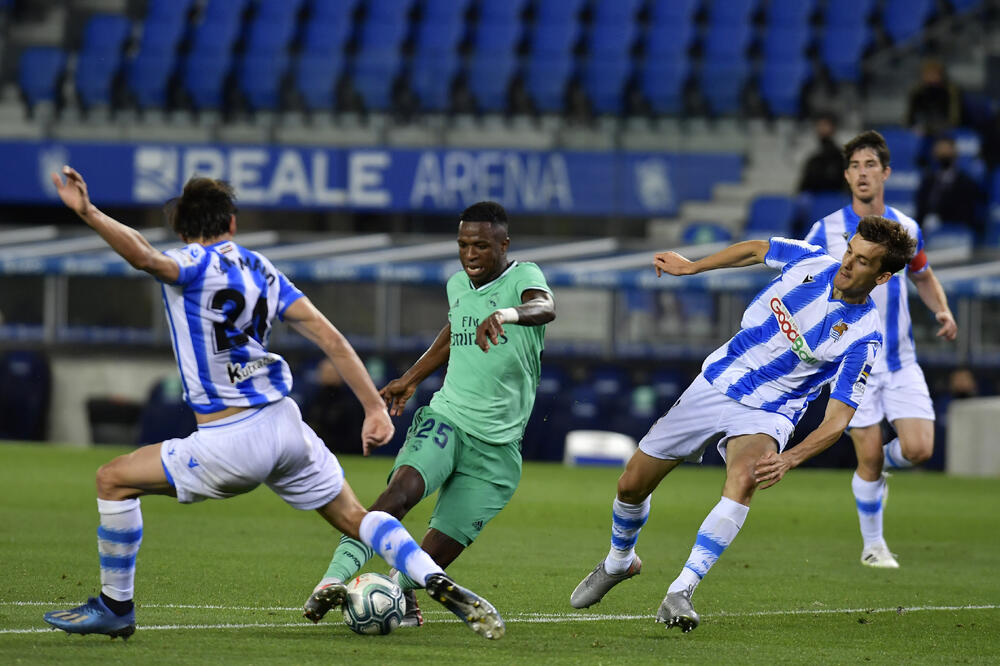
[220, 312]
[795, 338]
[832, 233]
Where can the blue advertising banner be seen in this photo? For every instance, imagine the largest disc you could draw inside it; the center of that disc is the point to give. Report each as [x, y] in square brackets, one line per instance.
[393, 180]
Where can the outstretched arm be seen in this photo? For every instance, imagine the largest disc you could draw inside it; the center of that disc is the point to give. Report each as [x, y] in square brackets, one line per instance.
[123, 239]
[772, 467]
[397, 392]
[537, 308]
[932, 294]
[745, 253]
[313, 325]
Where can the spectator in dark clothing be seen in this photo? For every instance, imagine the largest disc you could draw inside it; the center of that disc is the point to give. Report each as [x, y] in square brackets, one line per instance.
[948, 194]
[935, 103]
[333, 412]
[824, 170]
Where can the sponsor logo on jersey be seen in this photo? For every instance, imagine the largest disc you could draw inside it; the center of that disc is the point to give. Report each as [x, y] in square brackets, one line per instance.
[808, 278]
[838, 330]
[239, 372]
[791, 331]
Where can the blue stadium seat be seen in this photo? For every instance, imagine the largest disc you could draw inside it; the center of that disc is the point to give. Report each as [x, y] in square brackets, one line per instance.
[781, 85]
[39, 70]
[374, 75]
[161, 36]
[95, 74]
[315, 78]
[105, 34]
[904, 19]
[379, 36]
[561, 12]
[962, 6]
[489, 79]
[662, 84]
[721, 84]
[431, 78]
[439, 36]
[604, 80]
[790, 13]
[731, 12]
[278, 10]
[672, 11]
[259, 77]
[325, 37]
[668, 384]
[148, 76]
[502, 11]
[698, 233]
[168, 10]
[611, 39]
[727, 43]
[841, 49]
[774, 215]
[616, 12]
[852, 13]
[549, 398]
[25, 390]
[546, 79]
[817, 205]
[389, 10]
[215, 37]
[224, 10]
[555, 39]
[165, 414]
[331, 10]
[785, 43]
[270, 35]
[444, 10]
[203, 76]
[668, 40]
[499, 38]
[904, 146]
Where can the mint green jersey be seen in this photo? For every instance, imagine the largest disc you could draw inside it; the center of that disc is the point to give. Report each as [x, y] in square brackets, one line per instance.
[490, 395]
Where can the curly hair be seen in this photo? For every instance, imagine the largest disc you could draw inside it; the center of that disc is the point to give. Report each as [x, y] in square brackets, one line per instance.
[486, 211]
[899, 245]
[203, 209]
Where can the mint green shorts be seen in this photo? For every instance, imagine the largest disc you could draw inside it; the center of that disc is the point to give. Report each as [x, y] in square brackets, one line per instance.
[474, 479]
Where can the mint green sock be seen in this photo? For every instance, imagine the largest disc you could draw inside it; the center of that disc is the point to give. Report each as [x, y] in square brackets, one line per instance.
[351, 555]
[406, 582]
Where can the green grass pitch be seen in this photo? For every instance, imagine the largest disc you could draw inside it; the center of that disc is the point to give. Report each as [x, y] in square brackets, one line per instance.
[222, 582]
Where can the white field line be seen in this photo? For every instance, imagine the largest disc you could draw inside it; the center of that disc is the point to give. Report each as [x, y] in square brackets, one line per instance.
[527, 618]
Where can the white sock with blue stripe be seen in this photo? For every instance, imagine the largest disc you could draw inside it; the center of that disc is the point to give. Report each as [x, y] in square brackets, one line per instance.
[717, 531]
[868, 495]
[118, 539]
[626, 521]
[387, 537]
[893, 457]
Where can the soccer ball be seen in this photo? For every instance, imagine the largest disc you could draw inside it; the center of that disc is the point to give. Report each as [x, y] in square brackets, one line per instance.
[374, 604]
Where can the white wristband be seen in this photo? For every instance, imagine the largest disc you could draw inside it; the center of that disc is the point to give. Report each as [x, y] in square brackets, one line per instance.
[508, 315]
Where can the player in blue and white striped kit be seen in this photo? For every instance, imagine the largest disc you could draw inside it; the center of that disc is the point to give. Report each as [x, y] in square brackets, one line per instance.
[811, 326]
[897, 390]
[221, 299]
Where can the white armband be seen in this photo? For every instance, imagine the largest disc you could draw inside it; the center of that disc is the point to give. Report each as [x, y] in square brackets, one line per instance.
[508, 315]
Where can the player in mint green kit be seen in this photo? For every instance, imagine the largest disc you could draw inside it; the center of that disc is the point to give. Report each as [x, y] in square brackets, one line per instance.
[466, 444]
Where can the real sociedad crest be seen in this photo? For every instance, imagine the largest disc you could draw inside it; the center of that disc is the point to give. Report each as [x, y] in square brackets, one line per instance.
[156, 173]
[652, 177]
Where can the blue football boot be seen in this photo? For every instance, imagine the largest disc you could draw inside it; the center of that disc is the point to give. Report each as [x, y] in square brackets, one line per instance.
[93, 617]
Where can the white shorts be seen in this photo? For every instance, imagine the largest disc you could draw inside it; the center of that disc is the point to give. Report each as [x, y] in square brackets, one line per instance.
[270, 445]
[895, 395]
[703, 415]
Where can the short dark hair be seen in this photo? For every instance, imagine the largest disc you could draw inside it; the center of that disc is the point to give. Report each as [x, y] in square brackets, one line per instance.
[870, 139]
[485, 211]
[203, 209]
[899, 245]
